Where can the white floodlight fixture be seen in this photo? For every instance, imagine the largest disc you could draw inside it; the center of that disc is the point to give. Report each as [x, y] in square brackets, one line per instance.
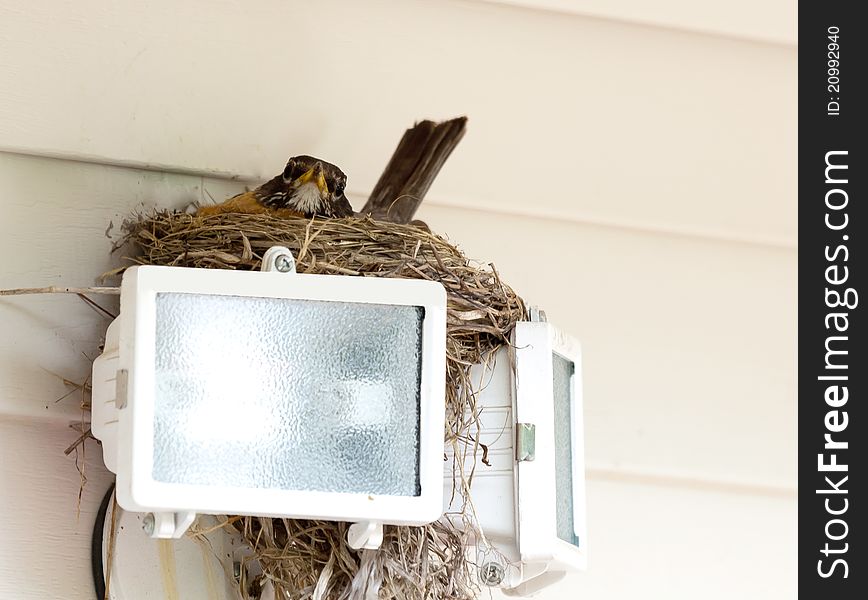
[529, 501]
[274, 394]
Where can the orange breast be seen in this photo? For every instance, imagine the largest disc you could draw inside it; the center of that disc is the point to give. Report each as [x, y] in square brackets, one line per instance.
[248, 204]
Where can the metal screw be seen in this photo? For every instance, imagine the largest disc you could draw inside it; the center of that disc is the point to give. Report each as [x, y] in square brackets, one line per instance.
[148, 523]
[284, 263]
[492, 573]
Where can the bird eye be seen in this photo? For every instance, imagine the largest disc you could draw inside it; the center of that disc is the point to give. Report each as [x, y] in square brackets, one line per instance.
[339, 189]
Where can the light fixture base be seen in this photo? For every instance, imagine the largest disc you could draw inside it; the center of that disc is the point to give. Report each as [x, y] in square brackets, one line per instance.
[189, 567]
[278, 258]
[367, 535]
[168, 525]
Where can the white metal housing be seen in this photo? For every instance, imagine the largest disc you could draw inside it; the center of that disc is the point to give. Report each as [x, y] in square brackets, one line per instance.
[124, 392]
[515, 500]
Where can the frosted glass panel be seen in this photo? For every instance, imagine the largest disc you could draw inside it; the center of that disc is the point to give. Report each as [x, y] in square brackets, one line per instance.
[563, 371]
[287, 394]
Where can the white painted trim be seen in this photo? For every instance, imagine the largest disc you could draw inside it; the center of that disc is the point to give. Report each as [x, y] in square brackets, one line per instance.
[98, 159]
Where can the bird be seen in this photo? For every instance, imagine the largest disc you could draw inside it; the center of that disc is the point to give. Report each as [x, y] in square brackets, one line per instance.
[308, 187]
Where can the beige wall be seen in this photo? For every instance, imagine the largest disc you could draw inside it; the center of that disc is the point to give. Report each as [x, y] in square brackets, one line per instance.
[636, 181]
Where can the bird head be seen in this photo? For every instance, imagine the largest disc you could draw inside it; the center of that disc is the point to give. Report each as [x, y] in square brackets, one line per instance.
[315, 187]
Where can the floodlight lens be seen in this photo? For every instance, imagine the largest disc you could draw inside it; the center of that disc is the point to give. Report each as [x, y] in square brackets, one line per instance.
[287, 394]
[563, 371]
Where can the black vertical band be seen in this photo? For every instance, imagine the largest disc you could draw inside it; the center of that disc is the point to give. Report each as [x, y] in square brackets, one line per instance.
[832, 270]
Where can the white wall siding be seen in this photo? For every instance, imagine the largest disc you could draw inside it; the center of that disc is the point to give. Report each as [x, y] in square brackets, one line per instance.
[771, 21]
[628, 167]
[573, 117]
[688, 344]
[653, 541]
[45, 546]
[54, 217]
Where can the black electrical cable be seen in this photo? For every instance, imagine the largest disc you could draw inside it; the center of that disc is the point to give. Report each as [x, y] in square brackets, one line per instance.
[97, 568]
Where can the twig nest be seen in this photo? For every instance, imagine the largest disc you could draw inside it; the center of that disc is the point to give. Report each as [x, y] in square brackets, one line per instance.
[302, 556]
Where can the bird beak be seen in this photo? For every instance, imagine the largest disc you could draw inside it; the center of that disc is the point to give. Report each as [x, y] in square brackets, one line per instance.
[315, 174]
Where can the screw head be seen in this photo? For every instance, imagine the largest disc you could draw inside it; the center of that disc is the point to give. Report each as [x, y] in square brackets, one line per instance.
[284, 263]
[148, 524]
[492, 573]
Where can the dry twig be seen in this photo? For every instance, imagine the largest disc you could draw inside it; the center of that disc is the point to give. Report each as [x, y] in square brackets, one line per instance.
[54, 289]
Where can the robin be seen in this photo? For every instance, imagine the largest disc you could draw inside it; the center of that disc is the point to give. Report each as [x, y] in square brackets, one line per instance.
[307, 187]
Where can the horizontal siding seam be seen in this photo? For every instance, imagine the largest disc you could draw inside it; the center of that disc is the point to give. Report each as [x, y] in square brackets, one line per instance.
[780, 242]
